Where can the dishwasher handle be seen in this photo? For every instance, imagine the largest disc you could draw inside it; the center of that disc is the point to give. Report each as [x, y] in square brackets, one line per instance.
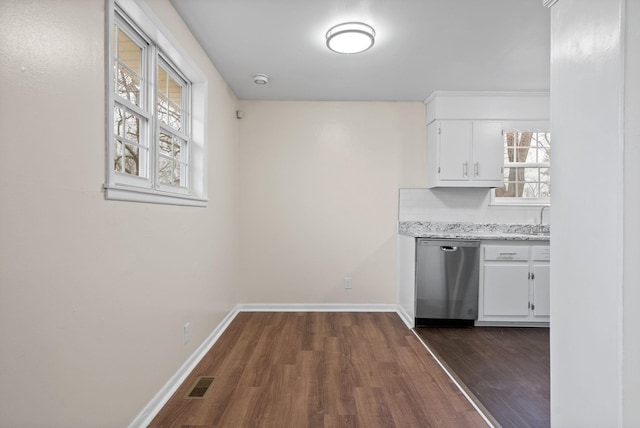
[448, 249]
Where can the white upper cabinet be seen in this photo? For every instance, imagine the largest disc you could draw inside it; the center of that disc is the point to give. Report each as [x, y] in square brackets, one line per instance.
[452, 147]
[465, 142]
[466, 153]
[488, 152]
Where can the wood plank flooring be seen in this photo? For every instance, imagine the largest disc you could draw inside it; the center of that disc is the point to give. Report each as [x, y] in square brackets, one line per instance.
[313, 369]
[506, 369]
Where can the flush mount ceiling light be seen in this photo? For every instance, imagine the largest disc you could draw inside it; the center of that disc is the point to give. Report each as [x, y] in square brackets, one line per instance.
[350, 37]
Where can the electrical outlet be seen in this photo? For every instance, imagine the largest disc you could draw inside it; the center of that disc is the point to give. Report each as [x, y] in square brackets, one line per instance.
[347, 282]
[186, 332]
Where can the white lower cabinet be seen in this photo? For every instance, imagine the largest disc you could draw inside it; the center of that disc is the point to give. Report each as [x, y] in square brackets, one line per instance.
[514, 283]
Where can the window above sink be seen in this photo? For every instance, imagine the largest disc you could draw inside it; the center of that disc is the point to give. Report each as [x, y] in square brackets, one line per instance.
[527, 167]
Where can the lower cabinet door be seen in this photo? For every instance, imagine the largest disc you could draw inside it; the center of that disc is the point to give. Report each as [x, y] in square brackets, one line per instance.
[506, 290]
[541, 290]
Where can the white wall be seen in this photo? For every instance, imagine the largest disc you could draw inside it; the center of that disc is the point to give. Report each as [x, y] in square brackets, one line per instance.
[319, 198]
[594, 343]
[93, 293]
[407, 277]
[631, 346]
[462, 205]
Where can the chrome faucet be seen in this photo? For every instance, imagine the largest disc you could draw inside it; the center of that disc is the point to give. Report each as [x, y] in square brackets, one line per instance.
[541, 214]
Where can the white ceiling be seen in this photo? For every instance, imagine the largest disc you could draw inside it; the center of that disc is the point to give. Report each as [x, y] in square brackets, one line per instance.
[421, 46]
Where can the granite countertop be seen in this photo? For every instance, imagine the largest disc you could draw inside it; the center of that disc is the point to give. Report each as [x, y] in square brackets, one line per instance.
[485, 231]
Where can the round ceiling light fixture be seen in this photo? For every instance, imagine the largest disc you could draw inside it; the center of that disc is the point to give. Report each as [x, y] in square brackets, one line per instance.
[350, 37]
[260, 79]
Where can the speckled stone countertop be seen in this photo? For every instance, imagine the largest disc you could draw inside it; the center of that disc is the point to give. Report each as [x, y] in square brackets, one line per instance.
[488, 231]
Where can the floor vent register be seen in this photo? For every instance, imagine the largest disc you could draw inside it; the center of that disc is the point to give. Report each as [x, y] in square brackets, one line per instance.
[200, 387]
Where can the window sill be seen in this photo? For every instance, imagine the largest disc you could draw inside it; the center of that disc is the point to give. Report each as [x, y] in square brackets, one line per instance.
[520, 203]
[141, 195]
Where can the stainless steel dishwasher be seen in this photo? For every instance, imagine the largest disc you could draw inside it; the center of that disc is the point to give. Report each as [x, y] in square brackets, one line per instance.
[447, 279]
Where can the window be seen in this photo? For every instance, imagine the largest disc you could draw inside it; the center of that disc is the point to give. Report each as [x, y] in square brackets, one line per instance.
[527, 161]
[155, 148]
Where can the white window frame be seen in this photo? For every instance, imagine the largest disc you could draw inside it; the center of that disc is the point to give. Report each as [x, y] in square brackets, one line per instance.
[125, 187]
[522, 126]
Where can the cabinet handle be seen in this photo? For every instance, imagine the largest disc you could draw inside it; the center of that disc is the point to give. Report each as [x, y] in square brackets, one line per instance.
[465, 169]
[476, 169]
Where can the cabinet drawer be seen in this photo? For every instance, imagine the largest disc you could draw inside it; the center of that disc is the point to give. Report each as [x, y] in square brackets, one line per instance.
[542, 253]
[506, 253]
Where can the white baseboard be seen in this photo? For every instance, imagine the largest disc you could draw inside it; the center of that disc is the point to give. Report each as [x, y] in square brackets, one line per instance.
[510, 324]
[321, 307]
[155, 405]
[404, 316]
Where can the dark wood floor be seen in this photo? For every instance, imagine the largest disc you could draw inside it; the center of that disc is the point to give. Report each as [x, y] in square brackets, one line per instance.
[320, 370]
[506, 369]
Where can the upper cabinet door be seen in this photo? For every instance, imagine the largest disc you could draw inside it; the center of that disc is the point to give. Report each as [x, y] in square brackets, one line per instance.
[455, 149]
[468, 153]
[488, 152]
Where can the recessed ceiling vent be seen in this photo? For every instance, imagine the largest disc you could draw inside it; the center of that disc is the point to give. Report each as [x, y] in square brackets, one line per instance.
[200, 387]
[260, 79]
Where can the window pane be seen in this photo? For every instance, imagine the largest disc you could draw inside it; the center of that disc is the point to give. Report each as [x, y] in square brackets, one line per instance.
[530, 190]
[163, 109]
[117, 159]
[128, 85]
[169, 100]
[166, 144]
[171, 170]
[531, 174]
[177, 149]
[128, 67]
[522, 154]
[175, 115]
[165, 169]
[176, 175]
[524, 139]
[532, 156]
[162, 82]
[132, 128]
[544, 155]
[132, 159]
[129, 53]
[175, 92]
[118, 122]
[545, 190]
[545, 175]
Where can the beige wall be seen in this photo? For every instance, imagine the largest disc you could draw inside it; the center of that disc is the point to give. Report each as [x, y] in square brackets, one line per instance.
[93, 293]
[319, 198]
